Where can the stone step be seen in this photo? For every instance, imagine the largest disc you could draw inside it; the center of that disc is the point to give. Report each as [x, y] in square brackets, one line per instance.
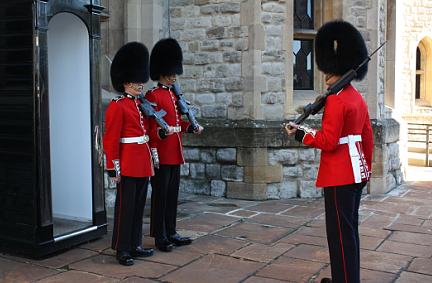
[418, 159]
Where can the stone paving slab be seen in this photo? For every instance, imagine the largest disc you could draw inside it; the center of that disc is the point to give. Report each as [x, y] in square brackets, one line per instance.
[297, 238]
[12, 271]
[255, 241]
[207, 222]
[408, 237]
[291, 269]
[406, 249]
[255, 232]
[270, 207]
[62, 260]
[409, 277]
[215, 244]
[77, 276]
[421, 265]
[255, 279]
[311, 253]
[212, 268]
[108, 266]
[277, 220]
[262, 253]
[381, 261]
[304, 212]
[177, 258]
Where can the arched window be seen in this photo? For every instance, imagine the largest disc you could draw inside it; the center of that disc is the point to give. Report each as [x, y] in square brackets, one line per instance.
[423, 75]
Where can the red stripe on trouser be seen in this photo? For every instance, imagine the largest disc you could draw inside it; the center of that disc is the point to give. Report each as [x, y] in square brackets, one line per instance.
[340, 234]
[119, 214]
[153, 183]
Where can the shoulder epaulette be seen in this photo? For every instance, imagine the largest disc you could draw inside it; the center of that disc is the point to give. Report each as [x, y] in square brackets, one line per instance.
[153, 89]
[117, 98]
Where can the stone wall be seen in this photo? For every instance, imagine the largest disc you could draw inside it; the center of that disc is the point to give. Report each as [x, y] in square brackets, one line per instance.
[258, 160]
[416, 19]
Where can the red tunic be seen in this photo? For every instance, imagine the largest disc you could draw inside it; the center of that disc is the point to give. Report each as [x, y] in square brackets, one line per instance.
[123, 119]
[345, 114]
[170, 149]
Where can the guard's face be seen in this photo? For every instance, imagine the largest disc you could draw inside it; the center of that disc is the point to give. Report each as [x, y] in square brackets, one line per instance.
[330, 79]
[133, 88]
[171, 79]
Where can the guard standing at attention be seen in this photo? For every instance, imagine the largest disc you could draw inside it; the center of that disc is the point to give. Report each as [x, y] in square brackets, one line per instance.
[128, 155]
[166, 62]
[346, 143]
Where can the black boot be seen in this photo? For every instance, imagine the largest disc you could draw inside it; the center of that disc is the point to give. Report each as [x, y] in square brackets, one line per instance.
[163, 244]
[179, 241]
[326, 280]
[124, 258]
[140, 252]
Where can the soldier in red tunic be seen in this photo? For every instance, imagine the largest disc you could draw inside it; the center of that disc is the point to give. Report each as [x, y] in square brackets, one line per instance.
[346, 141]
[166, 61]
[128, 155]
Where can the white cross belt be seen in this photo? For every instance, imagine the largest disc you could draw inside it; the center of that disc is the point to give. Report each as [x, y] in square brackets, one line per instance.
[354, 154]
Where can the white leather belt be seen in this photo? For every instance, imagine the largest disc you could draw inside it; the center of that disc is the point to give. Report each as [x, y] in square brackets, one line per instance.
[354, 154]
[177, 129]
[138, 140]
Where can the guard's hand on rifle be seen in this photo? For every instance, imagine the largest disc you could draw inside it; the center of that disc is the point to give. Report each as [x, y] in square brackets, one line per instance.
[116, 179]
[293, 129]
[170, 131]
[199, 131]
[155, 157]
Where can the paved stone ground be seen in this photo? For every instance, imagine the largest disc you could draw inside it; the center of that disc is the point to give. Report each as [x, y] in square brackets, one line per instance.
[256, 242]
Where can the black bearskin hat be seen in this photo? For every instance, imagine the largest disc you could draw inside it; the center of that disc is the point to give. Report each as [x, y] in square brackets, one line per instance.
[130, 65]
[339, 47]
[166, 59]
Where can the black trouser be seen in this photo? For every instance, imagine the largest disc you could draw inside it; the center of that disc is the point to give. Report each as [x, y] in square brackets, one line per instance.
[129, 209]
[165, 190]
[341, 205]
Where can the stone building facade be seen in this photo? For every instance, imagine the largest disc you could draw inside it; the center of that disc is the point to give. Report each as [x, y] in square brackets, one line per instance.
[238, 73]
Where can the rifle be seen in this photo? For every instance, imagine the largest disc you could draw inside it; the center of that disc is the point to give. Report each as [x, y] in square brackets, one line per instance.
[334, 88]
[147, 109]
[182, 105]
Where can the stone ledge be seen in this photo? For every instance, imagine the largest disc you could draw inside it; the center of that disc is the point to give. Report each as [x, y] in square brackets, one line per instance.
[271, 134]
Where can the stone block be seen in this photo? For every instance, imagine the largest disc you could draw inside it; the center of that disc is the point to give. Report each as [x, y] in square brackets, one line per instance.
[284, 190]
[232, 173]
[292, 172]
[226, 155]
[263, 174]
[184, 170]
[214, 111]
[273, 112]
[230, 8]
[191, 154]
[308, 190]
[191, 186]
[379, 153]
[212, 171]
[283, 156]
[377, 185]
[218, 188]
[252, 157]
[237, 190]
[197, 170]
[208, 155]
[310, 171]
[307, 154]
[385, 130]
